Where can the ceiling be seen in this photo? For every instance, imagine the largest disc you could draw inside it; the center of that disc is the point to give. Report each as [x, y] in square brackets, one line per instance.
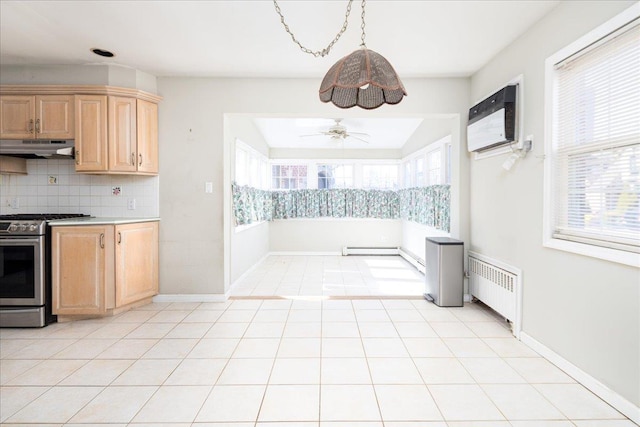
[383, 133]
[246, 39]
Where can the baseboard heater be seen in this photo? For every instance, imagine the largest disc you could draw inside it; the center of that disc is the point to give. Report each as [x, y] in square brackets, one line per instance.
[412, 259]
[353, 250]
[497, 285]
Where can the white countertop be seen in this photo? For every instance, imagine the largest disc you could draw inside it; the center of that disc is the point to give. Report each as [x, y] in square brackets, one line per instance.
[100, 221]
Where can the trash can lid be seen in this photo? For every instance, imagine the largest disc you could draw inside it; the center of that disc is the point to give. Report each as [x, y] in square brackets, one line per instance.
[445, 241]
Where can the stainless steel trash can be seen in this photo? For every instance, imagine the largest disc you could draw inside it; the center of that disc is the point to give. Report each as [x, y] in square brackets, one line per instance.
[444, 275]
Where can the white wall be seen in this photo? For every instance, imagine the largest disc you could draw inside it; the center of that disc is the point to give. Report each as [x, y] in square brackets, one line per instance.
[330, 235]
[111, 75]
[414, 236]
[430, 132]
[248, 245]
[584, 309]
[192, 151]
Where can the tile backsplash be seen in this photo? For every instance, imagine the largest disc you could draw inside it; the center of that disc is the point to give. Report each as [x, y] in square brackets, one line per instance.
[53, 186]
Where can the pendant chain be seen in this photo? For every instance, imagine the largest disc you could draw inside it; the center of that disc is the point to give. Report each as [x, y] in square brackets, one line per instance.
[324, 52]
[362, 26]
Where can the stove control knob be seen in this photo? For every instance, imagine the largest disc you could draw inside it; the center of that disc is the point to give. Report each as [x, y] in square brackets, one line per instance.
[33, 227]
[23, 227]
[12, 228]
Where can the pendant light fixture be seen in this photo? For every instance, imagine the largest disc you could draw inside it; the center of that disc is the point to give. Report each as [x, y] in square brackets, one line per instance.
[363, 78]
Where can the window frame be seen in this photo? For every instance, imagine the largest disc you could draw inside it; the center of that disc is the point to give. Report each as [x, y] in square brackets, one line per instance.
[575, 245]
[250, 155]
[312, 169]
[443, 146]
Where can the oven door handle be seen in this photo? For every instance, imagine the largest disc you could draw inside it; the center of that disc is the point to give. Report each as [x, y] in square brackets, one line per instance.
[16, 241]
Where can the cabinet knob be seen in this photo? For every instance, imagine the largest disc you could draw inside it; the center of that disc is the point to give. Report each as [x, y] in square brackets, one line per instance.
[133, 158]
[140, 164]
[119, 237]
[37, 125]
[102, 240]
[77, 157]
[30, 128]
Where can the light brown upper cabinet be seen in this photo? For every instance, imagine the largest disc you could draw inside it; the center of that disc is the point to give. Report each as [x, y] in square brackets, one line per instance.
[125, 141]
[147, 115]
[91, 133]
[123, 154]
[36, 117]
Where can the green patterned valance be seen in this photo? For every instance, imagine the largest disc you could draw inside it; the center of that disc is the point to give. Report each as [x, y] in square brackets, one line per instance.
[251, 205]
[425, 205]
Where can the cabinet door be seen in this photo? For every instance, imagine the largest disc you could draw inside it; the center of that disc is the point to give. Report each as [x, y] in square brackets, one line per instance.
[17, 117]
[123, 155]
[54, 117]
[91, 133]
[147, 123]
[82, 269]
[136, 262]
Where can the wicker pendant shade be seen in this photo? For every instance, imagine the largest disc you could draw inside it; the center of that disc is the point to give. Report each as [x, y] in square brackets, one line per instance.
[363, 78]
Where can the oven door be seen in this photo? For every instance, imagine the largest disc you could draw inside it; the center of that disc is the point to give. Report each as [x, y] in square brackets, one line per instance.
[22, 271]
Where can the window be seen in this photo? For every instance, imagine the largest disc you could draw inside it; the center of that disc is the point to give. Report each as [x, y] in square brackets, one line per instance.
[288, 176]
[380, 176]
[241, 166]
[434, 162]
[408, 178]
[430, 165]
[447, 170]
[593, 151]
[335, 176]
[250, 166]
[420, 171]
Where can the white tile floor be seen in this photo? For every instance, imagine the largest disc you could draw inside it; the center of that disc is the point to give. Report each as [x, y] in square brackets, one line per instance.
[288, 363]
[331, 276]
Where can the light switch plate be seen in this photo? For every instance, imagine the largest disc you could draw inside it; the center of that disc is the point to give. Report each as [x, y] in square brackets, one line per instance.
[208, 187]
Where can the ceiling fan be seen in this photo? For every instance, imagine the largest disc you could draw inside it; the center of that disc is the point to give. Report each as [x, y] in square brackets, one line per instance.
[338, 132]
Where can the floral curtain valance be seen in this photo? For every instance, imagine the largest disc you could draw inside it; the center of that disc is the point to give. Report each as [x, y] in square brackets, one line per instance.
[424, 205]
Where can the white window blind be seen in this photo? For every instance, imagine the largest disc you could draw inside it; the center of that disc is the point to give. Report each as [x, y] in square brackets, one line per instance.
[596, 143]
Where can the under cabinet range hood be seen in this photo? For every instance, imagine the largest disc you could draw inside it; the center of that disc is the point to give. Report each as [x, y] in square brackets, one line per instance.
[38, 148]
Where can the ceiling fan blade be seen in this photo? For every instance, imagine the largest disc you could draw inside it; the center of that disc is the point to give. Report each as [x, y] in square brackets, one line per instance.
[312, 134]
[359, 133]
[358, 138]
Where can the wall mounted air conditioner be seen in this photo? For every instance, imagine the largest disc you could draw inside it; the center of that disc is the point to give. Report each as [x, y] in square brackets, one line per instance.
[492, 122]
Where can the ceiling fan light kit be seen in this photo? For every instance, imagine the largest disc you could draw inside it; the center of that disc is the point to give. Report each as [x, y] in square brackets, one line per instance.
[338, 132]
[363, 78]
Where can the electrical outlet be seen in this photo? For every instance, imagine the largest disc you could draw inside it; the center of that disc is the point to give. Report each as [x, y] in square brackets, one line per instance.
[131, 204]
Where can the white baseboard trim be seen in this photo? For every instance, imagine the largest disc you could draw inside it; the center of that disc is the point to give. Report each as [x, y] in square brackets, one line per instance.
[605, 393]
[293, 253]
[191, 297]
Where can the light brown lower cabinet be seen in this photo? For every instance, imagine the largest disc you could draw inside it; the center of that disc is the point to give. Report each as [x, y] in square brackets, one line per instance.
[97, 269]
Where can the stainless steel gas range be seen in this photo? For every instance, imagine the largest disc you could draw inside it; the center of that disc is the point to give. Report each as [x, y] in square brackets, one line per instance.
[25, 269]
